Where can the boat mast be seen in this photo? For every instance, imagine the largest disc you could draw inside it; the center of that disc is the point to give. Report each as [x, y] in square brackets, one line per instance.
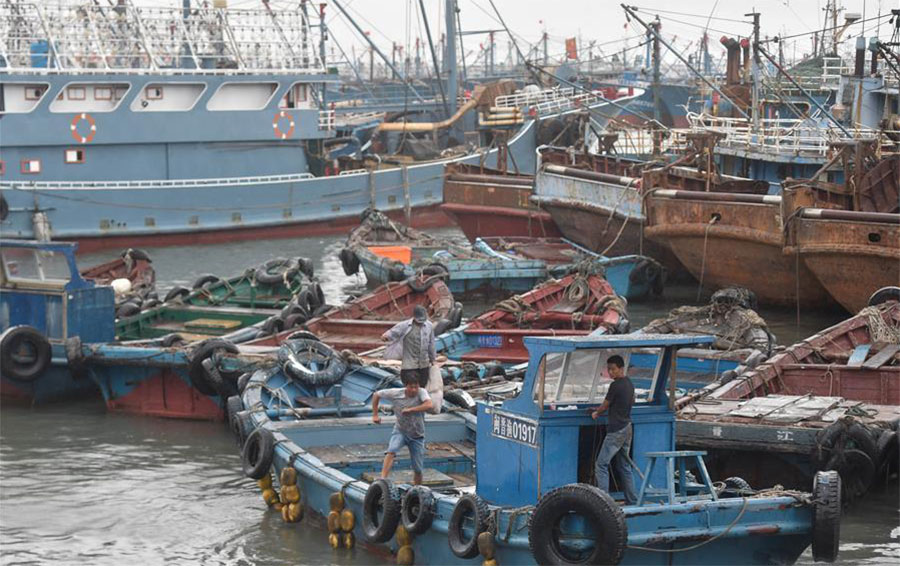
[450, 59]
[434, 59]
[754, 92]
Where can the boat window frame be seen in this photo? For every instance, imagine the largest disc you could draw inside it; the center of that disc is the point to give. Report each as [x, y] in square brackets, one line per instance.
[74, 86]
[78, 150]
[268, 103]
[107, 88]
[40, 166]
[143, 90]
[25, 87]
[114, 85]
[51, 283]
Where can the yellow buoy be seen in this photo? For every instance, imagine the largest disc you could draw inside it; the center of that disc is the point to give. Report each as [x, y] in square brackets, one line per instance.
[403, 538]
[336, 501]
[285, 513]
[288, 476]
[334, 522]
[405, 555]
[270, 497]
[348, 520]
[489, 562]
[295, 512]
[290, 494]
[278, 506]
[265, 482]
[348, 540]
[486, 544]
[334, 540]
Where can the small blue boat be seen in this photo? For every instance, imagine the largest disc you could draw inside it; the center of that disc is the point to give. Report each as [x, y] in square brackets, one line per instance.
[529, 499]
[47, 309]
[390, 251]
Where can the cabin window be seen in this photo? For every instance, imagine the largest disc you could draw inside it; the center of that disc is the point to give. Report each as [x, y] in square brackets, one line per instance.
[576, 377]
[30, 166]
[297, 94]
[20, 98]
[103, 93]
[242, 96]
[74, 156]
[154, 93]
[75, 93]
[28, 264]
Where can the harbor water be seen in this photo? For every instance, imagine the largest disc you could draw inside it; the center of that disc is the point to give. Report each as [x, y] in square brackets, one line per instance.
[80, 486]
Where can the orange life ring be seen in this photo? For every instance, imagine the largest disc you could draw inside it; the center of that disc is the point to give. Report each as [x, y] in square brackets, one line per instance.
[278, 117]
[74, 128]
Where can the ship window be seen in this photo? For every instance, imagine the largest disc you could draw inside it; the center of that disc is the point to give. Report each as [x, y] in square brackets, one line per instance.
[34, 92]
[102, 93]
[105, 97]
[75, 93]
[242, 96]
[179, 97]
[30, 166]
[74, 156]
[27, 264]
[298, 93]
[577, 377]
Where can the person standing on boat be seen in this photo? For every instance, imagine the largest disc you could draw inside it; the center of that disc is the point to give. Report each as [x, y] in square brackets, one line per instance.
[410, 403]
[412, 342]
[617, 443]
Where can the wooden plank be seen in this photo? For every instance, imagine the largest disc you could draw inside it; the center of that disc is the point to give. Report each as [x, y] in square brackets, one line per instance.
[882, 357]
[858, 356]
[213, 323]
[430, 477]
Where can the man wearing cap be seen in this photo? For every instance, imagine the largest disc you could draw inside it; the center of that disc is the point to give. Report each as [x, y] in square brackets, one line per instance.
[412, 342]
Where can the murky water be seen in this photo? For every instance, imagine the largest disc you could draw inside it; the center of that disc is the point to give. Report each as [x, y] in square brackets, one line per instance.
[80, 486]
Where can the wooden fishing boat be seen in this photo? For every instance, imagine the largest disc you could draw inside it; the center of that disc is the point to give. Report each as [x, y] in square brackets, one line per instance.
[358, 324]
[631, 276]
[315, 442]
[830, 402]
[271, 285]
[179, 323]
[487, 202]
[133, 265]
[575, 305]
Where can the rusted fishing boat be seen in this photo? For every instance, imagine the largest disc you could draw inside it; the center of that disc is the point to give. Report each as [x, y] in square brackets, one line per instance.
[854, 249]
[358, 324]
[830, 402]
[574, 305]
[488, 202]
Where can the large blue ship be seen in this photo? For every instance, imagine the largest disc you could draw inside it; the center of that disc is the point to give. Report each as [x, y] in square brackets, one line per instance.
[127, 126]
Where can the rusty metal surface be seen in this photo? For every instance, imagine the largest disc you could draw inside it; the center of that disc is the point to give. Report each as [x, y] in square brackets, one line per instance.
[731, 243]
[850, 259]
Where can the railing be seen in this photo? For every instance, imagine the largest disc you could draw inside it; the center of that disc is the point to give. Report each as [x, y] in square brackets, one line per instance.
[326, 119]
[153, 184]
[352, 172]
[76, 35]
[521, 99]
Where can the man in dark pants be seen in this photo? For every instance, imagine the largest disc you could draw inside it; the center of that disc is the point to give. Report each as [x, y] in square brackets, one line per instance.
[617, 443]
[412, 342]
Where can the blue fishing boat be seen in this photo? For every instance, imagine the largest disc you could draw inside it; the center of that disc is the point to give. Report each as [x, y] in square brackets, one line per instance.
[529, 499]
[47, 310]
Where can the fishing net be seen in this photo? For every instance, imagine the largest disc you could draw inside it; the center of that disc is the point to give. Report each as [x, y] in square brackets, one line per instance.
[881, 329]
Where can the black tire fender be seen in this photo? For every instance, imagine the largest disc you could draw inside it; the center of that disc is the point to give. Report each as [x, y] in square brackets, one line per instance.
[349, 261]
[384, 494]
[306, 267]
[322, 310]
[601, 513]
[826, 529]
[241, 426]
[455, 315]
[306, 300]
[417, 509]
[438, 269]
[242, 381]
[888, 449]
[38, 353]
[137, 254]
[233, 406]
[295, 357]
[738, 485]
[176, 292]
[272, 325]
[205, 280]
[396, 271]
[468, 504]
[258, 453]
[293, 320]
[442, 325]
[204, 350]
[318, 295]
[286, 268]
[883, 295]
[460, 398]
[127, 309]
[170, 340]
[302, 335]
[293, 308]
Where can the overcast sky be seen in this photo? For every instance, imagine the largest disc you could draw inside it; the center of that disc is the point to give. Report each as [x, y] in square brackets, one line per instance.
[601, 21]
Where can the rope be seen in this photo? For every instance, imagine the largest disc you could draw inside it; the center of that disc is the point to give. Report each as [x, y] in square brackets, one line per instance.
[880, 330]
[696, 546]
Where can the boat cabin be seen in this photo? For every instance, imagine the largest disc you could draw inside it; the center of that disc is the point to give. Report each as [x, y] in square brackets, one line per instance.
[545, 437]
[42, 288]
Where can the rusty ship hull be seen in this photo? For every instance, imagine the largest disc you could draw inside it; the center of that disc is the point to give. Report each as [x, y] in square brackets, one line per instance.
[727, 239]
[852, 254]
